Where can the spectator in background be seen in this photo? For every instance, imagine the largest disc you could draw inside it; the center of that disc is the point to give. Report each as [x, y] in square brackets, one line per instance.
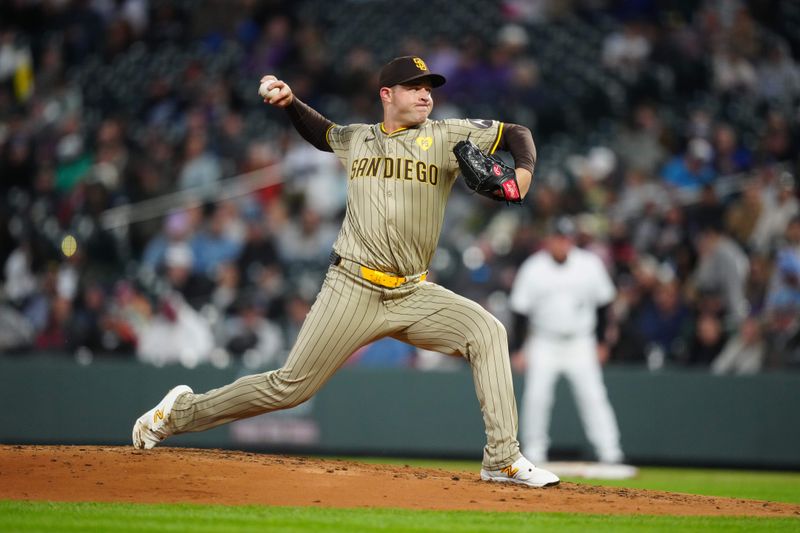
[758, 282]
[309, 241]
[226, 287]
[144, 181]
[16, 64]
[36, 308]
[174, 333]
[707, 341]
[443, 56]
[708, 210]
[273, 47]
[664, 321]
[729, 156]
[722, 268]
[17, 162]
[784, 290]
[673, 242]
[55, 334]
[628, 345]
[779, 210]
[16, 332]
[529, 98]
[742, 216]
[641, 143]
[315, 175]
[179, 274]
[20, 282]
[111, 152]
[699, 124]
[637, 196]
[778, 76]
[161, 106]
[259, 250]
[178, 228]
[776, 140]
[589, 192]
[734, 75]
[201, 169]
[690, 171]
[213, 244]
[744, 353]
[87, 323]
[248, 334]
[625, 52]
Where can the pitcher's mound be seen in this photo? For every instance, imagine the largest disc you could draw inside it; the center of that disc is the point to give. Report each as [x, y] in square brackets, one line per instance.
[179, 475]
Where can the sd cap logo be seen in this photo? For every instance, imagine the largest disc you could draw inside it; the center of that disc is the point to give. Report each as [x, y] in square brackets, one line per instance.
[420, 64]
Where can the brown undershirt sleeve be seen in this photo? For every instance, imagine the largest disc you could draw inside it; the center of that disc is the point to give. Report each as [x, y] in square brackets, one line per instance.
[312, 126]
[519, 142]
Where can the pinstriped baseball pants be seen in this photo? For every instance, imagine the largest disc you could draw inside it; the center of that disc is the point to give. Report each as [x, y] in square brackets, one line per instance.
[350, 312]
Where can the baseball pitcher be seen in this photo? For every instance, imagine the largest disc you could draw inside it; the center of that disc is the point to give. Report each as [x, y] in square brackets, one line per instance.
[400, 173]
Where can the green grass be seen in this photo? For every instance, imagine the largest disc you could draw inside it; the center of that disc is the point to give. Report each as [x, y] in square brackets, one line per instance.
[757, 485]
[25, 517]
[771, 486]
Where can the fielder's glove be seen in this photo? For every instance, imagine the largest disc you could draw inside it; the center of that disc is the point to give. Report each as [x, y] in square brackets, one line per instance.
[487, 175]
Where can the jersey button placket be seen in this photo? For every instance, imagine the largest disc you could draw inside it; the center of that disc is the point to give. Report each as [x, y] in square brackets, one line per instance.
[390, 184]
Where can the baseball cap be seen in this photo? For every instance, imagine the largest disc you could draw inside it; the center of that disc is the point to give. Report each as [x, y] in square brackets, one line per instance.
[406, 69]
[179, 255]
[700, 149]
[564, 226]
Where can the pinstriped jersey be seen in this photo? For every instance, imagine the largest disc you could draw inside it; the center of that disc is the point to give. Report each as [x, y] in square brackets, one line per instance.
[398, 185]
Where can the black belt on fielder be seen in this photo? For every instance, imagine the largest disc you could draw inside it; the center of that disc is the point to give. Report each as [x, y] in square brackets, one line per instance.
[390, 281]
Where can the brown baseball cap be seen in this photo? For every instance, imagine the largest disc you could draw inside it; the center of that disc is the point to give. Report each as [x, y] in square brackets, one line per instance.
[407, 69]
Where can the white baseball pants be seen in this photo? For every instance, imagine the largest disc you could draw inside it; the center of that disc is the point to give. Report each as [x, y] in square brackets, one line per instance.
[576, 358]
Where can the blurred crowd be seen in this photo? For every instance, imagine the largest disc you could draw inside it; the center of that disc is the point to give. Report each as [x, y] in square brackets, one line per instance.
[670, 134]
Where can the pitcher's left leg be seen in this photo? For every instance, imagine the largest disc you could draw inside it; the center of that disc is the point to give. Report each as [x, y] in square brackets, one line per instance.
[443, 321]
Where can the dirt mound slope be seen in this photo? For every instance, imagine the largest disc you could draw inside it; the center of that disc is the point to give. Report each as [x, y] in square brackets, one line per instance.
[181, 475]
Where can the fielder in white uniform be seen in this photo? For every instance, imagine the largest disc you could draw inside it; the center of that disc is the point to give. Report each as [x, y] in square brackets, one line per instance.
[559, 289]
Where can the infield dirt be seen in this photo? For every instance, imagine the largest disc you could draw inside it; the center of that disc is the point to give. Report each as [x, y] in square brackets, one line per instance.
[181, 475]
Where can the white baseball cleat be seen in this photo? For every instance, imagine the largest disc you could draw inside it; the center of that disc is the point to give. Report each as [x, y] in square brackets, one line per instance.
[151, 428]
[522, 472]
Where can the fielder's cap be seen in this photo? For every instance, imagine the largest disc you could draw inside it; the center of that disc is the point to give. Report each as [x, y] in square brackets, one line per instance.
[407, 69]
[565, 227]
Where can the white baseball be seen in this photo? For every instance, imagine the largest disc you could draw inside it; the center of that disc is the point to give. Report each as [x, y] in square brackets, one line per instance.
[265, 91]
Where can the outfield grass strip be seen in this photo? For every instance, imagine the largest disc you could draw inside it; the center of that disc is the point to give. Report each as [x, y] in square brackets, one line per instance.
[29, 517]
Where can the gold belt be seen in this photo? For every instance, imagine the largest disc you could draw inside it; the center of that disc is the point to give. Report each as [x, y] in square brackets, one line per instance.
[377, 277]
[388, 280]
